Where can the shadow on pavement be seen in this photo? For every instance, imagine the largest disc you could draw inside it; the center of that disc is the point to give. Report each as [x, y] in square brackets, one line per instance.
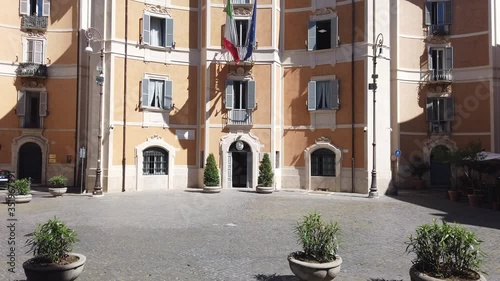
[274, 277]
[456, 212]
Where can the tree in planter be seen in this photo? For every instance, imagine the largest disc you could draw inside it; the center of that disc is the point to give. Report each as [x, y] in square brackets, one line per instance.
[211, 173]
[266, 174]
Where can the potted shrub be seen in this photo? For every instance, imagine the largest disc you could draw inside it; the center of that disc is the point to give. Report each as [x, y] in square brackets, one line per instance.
[266, 175]
[319, 260]
[19, 191]
[444, 252]
[51, 244]
[58, 185]
[419, 169]
[211, 179]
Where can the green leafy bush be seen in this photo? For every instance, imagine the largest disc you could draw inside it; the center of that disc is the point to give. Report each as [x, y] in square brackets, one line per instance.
[265, 172]
[19, 187]
[211, 173]
[445, 250]
[319, 241]
[58, 181]
[51, 242]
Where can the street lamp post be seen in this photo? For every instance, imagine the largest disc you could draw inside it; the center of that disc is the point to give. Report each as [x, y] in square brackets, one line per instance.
[379, 41]
[90, 35]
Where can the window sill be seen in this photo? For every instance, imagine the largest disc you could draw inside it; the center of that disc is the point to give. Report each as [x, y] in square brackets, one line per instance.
[154, 109]
[157, 48]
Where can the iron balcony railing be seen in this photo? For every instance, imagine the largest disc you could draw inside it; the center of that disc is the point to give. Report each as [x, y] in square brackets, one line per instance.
[240, 117]
[242, 2]
[438, 29]
[34, 23]
[441, 75]
[29, 69]
[439, 127]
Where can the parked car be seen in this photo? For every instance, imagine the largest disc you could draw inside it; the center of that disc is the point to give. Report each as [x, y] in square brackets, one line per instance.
[6, 177]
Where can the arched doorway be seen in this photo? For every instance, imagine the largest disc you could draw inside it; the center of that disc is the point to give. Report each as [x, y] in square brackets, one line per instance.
[440, 171]
[30, 162]
[240, 155]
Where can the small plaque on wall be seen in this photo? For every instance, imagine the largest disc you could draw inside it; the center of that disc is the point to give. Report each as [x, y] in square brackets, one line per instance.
[52, 161]
[52, 156]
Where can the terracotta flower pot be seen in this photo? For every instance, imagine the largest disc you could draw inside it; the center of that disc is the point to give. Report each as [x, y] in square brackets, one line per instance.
[454, 195]
[474, 201]
[308, 271]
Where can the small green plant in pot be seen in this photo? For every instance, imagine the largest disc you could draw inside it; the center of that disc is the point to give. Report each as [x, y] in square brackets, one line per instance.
[211, 178]
[19, 191]
[445, 252]
[58, 185]
[266, 175]
[51, 244]
[318, 261]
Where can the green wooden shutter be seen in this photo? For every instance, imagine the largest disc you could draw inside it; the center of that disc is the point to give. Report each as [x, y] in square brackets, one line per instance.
[145, 92]
[428, 13]
[311, 36]
[169, 32]
[334, 32]
[167, 95]
[21, 101]
[24, 7]
[46, 8]
[336, 94]
[146, 26]
[449, 12]
[450, 109]
[251, 94]
[311, 96]
[229, 94]
[448, 54]
[430, 109]
[43, 104]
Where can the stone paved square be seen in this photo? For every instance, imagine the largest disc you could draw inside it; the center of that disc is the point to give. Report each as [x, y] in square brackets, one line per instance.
[240, 235]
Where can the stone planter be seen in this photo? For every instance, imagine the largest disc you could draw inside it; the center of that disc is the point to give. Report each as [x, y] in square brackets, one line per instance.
[264, 189]
[69, 272]
[57, 191]
[212, 189]
[17, 199]
[308, 271]
[416, 275]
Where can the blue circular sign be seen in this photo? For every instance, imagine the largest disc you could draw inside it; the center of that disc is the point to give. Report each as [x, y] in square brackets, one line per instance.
[397, 152]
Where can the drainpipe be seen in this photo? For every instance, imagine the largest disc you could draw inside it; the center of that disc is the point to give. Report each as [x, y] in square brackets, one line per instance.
[77, 111]
[353, 100]
[125, 99]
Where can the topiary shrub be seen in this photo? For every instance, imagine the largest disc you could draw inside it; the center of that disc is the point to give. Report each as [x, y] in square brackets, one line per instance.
[266, 174]
[211, 173]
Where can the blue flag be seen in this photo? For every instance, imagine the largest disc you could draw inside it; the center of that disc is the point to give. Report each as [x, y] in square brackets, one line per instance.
[251, 33]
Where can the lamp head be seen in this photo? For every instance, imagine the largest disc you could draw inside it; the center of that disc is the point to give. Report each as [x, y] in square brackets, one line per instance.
[89, 49]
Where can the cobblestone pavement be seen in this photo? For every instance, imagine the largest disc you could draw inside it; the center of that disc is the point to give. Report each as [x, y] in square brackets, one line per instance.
[238, 234]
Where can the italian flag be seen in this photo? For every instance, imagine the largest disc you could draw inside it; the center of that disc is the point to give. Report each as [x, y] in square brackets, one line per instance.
[230, 34]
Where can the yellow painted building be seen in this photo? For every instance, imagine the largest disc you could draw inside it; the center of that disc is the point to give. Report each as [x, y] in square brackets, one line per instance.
[169, 93]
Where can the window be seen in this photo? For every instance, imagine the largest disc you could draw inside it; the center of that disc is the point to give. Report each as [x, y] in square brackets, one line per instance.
[31, 107]
[240, 94]
[242, 31]
[441, 63]
[440, 113]
[323, 163]
[323, 95]
[156, 93]
[155, 161]
[157, 31]
[34, 7]
[322, 34]
[35, 51]
[438, 17]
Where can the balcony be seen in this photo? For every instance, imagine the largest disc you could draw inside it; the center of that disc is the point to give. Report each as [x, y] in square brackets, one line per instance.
[33, 70]
[242, 2]
[438, 30]
[34, 23]
[240, 117]
[440, 76]
[439, 127]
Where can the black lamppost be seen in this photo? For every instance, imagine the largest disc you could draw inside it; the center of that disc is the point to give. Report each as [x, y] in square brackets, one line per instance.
[90, 35]
[379, 41]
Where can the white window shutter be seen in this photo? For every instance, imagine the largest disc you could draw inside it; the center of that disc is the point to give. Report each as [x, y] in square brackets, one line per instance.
[146, 26]
[334, 32]
[167, 95]
[43, 104]
[430, 63]
[169, 32]
[428, 15]
[24, 7]
[46, 8]
[26, 50]
[38, 51]
[450, 109]
[251, 94]
[229, 94]
[311, 96]
[311, 36]
[336, 94]
[21, 101]
[145, 92]
[429, 109]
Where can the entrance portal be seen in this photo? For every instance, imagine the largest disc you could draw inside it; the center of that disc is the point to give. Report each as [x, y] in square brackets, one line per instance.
[440, 171]
[30, 162]
[241, 164]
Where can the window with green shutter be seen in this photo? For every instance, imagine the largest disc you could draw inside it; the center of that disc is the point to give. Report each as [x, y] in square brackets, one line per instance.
[323, 95]
[322, 34]
[157, 31]
[440, 111]
[156, 93]
[438, 16]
